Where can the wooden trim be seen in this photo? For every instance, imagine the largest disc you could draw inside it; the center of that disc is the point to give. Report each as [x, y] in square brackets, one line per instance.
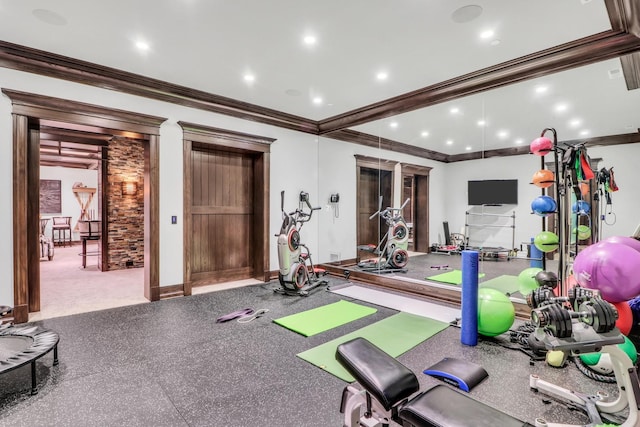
[25, 234]
[204, 137]
[67, 111]
[631, 70]
[375, 163]
[409, 169]
[626, 138]
[20, 249]
[152, 219]
[588, 50]
[52, 65]
[361, 138]
[225, 138]
[33, 214]
[171, 291]
[502, 152]
[186, 215]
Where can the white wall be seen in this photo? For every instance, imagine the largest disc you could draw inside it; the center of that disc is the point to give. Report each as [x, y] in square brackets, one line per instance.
[70, 206]
[626, 203]
[291, 152]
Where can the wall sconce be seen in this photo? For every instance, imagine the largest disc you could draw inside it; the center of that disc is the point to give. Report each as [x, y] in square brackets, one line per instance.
[129, 188]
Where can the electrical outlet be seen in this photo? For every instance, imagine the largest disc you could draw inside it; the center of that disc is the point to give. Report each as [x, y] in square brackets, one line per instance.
[174, 219]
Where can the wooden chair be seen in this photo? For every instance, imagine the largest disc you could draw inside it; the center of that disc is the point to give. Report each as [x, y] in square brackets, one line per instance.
[61, 224]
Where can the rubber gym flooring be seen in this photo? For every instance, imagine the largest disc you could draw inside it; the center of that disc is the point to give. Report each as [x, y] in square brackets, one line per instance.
[169, 364]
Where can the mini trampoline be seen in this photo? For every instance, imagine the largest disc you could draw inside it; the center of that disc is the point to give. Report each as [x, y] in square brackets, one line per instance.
[20, 345]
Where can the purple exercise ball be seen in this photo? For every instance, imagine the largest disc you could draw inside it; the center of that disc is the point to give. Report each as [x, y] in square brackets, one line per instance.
[610, 268]
[627, 241]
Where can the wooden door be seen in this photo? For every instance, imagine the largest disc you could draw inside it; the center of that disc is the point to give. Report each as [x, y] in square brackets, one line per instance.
[421, 213]
[372, 184]
[222, 215]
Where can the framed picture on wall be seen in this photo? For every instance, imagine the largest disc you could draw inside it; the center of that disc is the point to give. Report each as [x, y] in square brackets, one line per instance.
[50, 196]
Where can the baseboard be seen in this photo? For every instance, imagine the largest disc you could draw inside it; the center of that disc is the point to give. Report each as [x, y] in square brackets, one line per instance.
[171, 291]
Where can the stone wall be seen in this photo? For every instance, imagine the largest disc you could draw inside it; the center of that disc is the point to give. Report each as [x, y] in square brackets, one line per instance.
[125, 213]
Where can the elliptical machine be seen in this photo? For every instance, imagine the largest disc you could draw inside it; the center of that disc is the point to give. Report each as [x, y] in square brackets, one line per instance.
[297, 275]
[392, 249]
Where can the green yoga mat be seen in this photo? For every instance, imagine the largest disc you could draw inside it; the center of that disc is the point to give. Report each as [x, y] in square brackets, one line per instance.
[395, 335]
[505, 283]
[323, 318]
[453, 277]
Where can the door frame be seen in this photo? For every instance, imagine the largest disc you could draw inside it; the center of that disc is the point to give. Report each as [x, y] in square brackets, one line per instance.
[419, 203]
[374, 163]
[226, 140]
[27, 111]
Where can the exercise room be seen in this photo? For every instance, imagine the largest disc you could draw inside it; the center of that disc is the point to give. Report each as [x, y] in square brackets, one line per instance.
[326, 213]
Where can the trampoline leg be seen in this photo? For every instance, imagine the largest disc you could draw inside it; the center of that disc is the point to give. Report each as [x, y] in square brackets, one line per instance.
[34, 389]
[55, 355]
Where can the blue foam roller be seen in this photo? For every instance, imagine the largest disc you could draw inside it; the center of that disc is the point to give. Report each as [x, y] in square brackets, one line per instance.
[536, 256]
[469, 327]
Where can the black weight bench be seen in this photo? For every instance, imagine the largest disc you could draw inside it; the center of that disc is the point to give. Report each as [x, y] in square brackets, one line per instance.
[388, 384]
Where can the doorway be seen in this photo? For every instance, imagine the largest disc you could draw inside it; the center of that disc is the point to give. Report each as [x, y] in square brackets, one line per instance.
[375, 191]
[30, 113]
[226, 203]
[415, 185]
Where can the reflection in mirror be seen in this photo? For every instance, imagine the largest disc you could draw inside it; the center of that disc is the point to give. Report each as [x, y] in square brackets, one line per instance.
[486, 137]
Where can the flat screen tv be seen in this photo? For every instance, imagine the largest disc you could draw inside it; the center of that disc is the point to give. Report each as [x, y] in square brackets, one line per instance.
[493, 192]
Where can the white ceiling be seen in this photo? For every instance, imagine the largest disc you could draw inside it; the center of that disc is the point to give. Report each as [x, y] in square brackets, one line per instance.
[209, 45]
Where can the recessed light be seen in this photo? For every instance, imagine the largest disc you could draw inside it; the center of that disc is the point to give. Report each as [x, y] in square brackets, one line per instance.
[142, 45]
[487, 34]
[559, 108]
[466, 13]
[495, 42]
[449, 142]
[481, 123]
[541, 89]
[502, 134]
[382, 76]
[310, 40]
[49, 17]
[393, 125]
[249, 78]
[454, 110]
[468, 148]
[519, 141]
[317, 100]
[424, 134]
[575, 123]
[584, 132]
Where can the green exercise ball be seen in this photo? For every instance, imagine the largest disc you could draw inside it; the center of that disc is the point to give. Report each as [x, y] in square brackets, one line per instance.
[496, 313]
[546, 241]
[584, 232]
[527, 280]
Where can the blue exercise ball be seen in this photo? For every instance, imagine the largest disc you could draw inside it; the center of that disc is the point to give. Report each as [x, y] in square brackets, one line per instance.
[543, 205]
[581, 207]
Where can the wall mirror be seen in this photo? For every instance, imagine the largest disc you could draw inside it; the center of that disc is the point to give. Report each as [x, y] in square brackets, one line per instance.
[479, 136]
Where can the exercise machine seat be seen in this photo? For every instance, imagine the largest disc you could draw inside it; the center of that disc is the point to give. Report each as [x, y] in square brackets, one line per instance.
[386, 379]
[442, 406]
